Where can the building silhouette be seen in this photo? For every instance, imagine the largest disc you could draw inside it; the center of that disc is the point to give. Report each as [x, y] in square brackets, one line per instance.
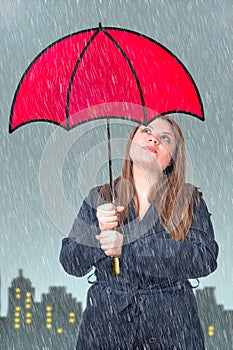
[217, 323]
[52, 324]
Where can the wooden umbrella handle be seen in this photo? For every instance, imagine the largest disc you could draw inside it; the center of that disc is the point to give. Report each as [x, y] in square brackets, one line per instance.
[116, 266]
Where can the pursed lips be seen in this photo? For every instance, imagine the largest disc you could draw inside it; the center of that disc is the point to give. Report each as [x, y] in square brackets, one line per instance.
[150, 149]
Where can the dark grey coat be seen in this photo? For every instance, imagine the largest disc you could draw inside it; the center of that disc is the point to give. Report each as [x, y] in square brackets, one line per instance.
[151, 304]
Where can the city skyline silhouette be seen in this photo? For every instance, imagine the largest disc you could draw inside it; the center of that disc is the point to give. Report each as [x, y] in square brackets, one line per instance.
[53, 322]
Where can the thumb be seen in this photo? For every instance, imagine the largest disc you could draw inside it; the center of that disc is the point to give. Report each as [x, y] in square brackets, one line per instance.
[120, 208]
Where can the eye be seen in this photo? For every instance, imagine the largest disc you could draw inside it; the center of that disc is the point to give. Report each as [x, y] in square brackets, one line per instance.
[147, 130]
[165, 138]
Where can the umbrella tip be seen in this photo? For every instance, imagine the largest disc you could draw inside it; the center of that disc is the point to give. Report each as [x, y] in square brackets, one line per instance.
[100, 26]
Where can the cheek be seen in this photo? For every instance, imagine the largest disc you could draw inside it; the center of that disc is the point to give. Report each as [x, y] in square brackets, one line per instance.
[136, 144]
[134, 150]
[137, 138]
[165, 159]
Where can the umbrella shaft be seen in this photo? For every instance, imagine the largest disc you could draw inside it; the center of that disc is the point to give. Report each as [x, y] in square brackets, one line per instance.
[115, 261]
[110, 162]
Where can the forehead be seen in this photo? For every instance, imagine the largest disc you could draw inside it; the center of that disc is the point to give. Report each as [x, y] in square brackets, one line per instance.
[161, 125]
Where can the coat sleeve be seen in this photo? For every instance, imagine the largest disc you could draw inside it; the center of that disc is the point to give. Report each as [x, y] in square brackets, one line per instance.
[80, 251]
[161, 257]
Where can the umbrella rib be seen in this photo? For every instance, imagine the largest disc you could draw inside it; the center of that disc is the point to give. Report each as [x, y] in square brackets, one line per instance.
[73, 75]
[133, 71]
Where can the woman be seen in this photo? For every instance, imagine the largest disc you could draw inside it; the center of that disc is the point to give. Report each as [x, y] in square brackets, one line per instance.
[160, 228]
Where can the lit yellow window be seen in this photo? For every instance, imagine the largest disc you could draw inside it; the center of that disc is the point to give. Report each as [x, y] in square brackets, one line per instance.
[17, 308]
[28, 300]
[28, 294]
[48, 320]
[48, 325]
[72, 320]
[59, 330]
[17, 296]
[72, 314]
[28, 321]
[28, 306]
[48, 308]
[48, 314]
[17, 314]
[17, 290]
[211, 331]
[17, 325]
[28, 314]
[17, 320]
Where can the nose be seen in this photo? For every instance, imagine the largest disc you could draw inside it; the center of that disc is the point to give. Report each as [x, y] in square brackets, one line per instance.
[154, 139]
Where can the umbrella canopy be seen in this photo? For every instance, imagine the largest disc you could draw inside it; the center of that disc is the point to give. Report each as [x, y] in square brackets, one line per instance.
[104, 72]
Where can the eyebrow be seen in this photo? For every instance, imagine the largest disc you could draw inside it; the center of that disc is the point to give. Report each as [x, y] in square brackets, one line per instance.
[167, 132]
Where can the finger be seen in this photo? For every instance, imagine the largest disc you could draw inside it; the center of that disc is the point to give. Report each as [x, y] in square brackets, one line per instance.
[108, 219]
[106, 214]
[108, 224]
[107, 233]
[105, 244]
[109, 240]
[106, 241]
[106, 209]
[106, 247]
[106, 227]
[102, 240]
[109, 252]
[112, 253]
[104, 235]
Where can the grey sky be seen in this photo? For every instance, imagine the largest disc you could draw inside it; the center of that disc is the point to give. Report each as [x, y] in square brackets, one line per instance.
[198, 32]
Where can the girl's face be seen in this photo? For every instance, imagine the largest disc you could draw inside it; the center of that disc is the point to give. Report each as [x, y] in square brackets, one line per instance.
[153, 145]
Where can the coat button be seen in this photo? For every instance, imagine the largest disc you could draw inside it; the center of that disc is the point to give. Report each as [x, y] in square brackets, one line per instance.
[152, 340]
[140, 300]
[109, 290]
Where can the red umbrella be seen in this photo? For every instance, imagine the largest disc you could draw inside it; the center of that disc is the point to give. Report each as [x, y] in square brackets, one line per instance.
[99, 67]
[100, 73]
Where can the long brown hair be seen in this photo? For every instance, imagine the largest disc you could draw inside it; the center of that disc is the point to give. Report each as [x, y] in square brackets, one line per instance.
[171, 196]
